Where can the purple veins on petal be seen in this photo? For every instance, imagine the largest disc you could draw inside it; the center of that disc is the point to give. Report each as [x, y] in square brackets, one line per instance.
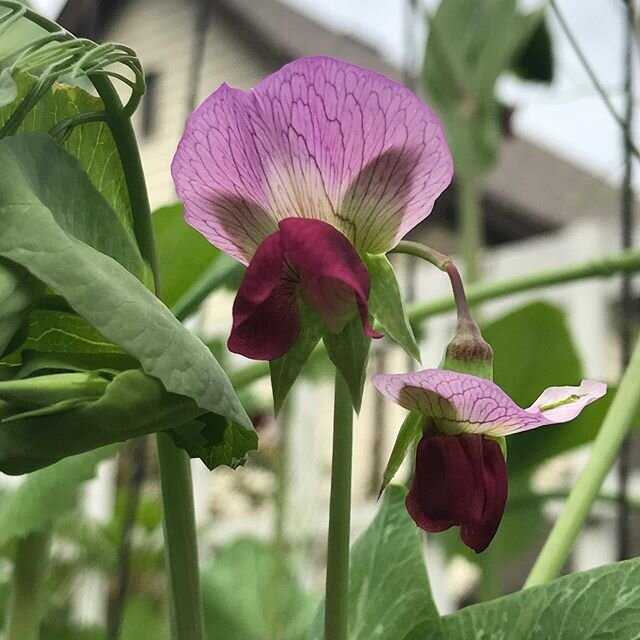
[319, 139]
[460, 403]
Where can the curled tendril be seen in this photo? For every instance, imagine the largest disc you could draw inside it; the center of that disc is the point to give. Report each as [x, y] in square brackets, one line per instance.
[59, 53]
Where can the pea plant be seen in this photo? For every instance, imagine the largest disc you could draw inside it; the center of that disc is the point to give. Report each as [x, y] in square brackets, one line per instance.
[296, 192]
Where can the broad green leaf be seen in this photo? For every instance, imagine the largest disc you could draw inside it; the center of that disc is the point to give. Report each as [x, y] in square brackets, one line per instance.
[214, 440]
[47, 494]
[134, 404]
[92, 144]
[249, 593]
[37, 172]
[349, 352]
[19, 291]
[597, 604]
[110, 298]
[8, 88]
[61, 332]
[285, 370]
[386, 304]
[143, 619]
[408, 436]
[389, 593]
[183, 253]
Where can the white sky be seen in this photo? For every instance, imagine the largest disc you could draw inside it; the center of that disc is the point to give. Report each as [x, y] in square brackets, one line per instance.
[568, 117]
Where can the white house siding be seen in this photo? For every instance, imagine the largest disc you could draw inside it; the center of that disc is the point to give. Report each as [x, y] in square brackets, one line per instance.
[161, 33]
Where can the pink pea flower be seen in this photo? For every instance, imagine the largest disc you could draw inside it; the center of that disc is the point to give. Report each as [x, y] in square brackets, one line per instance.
[461, 476]
[320, 162]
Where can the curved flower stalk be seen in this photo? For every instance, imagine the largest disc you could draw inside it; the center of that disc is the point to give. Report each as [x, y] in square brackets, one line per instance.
[461, 475]
[320, 164]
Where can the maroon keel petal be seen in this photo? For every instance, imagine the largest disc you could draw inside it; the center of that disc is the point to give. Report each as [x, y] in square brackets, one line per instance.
[477, 534]
[333, 279]
[266, 320]
[459, 480]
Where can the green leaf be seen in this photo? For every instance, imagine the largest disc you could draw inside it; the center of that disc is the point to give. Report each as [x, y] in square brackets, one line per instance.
[36, 172]
[48, 494]
[408, 436]
[8, 88]
[61, 332]
[92, 144]
[250, 594]
[133, 404]
[214, 440]
[19, 291]
[536, 60]
[285, 370]
[597, 604]
[102, 291]
[389, 593]
[349, 352]
[183, 253]
[386, 304]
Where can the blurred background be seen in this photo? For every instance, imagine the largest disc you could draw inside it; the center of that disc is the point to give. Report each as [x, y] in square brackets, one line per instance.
[543, 169]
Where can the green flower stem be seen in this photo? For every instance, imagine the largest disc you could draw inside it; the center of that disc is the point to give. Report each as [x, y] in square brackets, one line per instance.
[337, 586]
[471, 226]
[615, 427]
[624, 262]
[181, 544]
[28, 587]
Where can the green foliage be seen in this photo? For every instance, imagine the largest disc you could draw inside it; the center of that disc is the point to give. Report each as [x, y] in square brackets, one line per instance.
[92, 144]
[132, 405]
[386, 304]
[349, 352]
[39, 237]
[249, 593]
[408, 436]
[535, 61]
[184, 254]
[285, 370]
[389, 593]
[19, 291]
[596, 604]
[470, 44]
[48, 494]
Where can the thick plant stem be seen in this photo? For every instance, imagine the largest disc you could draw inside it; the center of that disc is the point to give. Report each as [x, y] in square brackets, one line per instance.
[181, 544]
[337, 588]
[615, 427]
[28, 587]
[470, 227]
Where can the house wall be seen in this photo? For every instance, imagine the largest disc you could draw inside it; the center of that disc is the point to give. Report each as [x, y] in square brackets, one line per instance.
[161, 33]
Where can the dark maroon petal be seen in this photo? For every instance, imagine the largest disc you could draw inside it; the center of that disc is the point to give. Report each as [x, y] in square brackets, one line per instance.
[459, 480]
[333, 279]
[478, 534]
[266, 320]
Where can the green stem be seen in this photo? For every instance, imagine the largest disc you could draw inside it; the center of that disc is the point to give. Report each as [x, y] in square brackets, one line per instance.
[28, 587]
[624, 262]
[605, 448]
[337, 586]
[181, 544]
[470, 227]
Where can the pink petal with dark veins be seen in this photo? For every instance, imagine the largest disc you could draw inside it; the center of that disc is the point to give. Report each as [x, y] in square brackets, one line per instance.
[461, 403]
[319, 139]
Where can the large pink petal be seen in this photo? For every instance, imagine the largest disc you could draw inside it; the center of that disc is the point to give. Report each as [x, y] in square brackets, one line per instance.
[462, 403]
[219, 174]
[333, 278]
[320, 139]
[266, 319]
[356, 149]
